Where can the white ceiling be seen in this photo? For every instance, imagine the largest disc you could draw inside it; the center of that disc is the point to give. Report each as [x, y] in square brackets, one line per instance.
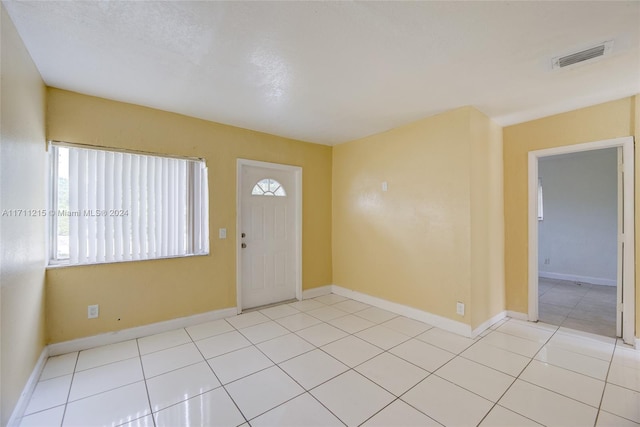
[330, 72]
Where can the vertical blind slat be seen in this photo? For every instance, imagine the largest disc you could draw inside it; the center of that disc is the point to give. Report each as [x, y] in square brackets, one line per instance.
[126, 203]
[109, 225]
[82, 205]
[100, 203]
[166, 204]
[144, 212]
[159, 194]
[74, 191]
[181, 189]
[91, 205]
[173, 207]
[118, 205]
[135, 207]
[151, 207]
[171, 203]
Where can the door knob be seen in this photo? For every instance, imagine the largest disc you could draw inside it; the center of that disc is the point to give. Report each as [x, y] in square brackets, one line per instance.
[243, 235]
[244, 245]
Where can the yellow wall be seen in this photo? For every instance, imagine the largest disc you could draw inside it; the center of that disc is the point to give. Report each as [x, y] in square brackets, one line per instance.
[605, 121]
[22, 251]
[487, 219]
[138, 293]
[415, 244]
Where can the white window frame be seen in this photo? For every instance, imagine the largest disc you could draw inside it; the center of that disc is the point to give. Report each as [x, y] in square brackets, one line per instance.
[540, 200]
[197, 223]
[258, 189]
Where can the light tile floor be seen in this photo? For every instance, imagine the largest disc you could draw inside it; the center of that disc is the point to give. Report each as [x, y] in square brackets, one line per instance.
[333, 361]
[585, 307]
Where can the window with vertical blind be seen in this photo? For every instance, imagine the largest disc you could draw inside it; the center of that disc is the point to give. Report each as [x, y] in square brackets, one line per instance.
[113, 206]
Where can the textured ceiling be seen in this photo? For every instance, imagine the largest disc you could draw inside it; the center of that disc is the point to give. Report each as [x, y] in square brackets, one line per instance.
[330, 72]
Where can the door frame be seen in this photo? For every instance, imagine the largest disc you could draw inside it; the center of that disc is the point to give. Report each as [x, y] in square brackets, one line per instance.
[628, 238]
[297, 173]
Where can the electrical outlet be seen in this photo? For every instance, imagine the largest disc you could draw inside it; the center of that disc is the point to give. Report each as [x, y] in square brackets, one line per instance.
[547, 261]
[93, 311]
[460, 308]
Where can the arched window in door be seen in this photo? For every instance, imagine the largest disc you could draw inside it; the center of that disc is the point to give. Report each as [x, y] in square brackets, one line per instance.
[268, 187]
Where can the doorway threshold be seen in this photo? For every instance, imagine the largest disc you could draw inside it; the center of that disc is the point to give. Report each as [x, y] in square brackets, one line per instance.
[274, 304]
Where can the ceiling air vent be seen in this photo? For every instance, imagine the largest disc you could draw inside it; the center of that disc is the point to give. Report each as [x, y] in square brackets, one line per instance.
[582, 56]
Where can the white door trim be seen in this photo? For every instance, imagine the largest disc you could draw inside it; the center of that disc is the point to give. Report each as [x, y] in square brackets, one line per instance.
[628, 272]
[297, 170]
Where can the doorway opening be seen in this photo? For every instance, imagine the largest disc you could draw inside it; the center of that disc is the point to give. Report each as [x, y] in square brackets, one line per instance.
[269, 233]
[578, 222]
[581, 238]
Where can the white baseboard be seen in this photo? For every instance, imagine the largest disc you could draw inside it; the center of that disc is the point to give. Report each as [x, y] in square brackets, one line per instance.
[410, 312]
[486, 325]
[575, 278]
[139, 331]
[517, 315]
[25, 396]
[316, 292]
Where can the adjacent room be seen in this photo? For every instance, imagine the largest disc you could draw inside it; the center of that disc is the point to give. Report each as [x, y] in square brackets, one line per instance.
[319, 213]
[578, 240]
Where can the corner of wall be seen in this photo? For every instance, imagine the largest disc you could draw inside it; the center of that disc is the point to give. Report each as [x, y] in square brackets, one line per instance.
[636, 132]
[487, 219]
[22, 253]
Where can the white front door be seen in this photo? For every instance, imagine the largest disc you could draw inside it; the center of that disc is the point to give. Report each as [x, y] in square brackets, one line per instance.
[268, 235]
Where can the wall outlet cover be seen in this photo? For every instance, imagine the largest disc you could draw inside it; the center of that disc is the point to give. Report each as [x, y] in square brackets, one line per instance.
[93, 311]
[460, 308]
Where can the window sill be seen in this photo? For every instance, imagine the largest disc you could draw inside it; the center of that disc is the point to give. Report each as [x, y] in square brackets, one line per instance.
[55, 266]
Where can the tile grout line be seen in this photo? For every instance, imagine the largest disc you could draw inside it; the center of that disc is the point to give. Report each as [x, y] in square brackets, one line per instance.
[574, 372]
[349, 367]
[411, 388]
[557, 331]
[396, 397]
[410, 337]
[570, 309]
[434, 373]
[305, 391]
[516, 379]
[380, 410]
[146, 386]
[206, 361]
[66, 403]
[456, 355]
[109, 363]
[507, 389]
[606, 381]
[531, 359]
[574, 308]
